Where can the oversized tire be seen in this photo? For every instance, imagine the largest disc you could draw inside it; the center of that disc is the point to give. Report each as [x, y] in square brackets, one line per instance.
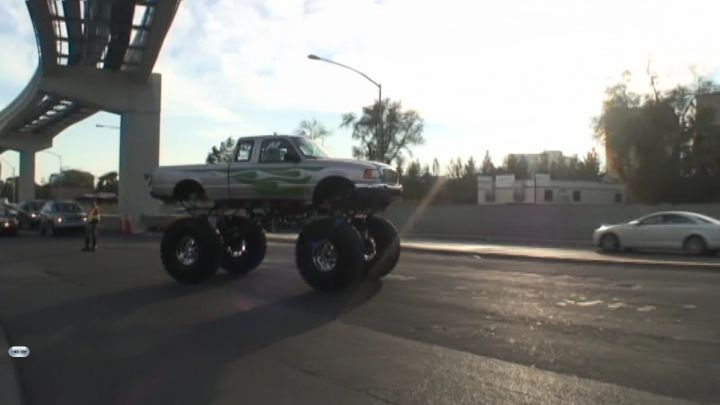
[382, 246]
[244, 245]
[329, 254]
[191, 251]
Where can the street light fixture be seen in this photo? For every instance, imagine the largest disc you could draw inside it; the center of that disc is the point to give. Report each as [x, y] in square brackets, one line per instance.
[379, 86]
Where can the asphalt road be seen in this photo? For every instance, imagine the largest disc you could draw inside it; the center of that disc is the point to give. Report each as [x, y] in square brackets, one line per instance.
[111, 328]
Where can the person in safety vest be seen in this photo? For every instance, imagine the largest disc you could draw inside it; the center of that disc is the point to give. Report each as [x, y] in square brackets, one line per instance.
[91, 228]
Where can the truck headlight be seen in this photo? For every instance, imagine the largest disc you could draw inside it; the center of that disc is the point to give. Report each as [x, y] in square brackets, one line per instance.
[58, 220]
[371, 174]
[33, 215]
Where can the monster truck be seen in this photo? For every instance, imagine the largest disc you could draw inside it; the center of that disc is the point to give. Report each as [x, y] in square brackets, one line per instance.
[280, 175]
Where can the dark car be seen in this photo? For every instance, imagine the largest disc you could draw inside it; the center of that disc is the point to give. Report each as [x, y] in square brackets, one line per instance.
[29, 213]
[9, 222]
[58, 216]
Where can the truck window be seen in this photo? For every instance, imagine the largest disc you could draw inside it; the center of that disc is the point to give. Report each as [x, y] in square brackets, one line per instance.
[244, 151]
[277, 151]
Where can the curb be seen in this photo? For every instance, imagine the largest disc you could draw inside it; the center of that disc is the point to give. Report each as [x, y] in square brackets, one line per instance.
[461, 251]
[9, 383]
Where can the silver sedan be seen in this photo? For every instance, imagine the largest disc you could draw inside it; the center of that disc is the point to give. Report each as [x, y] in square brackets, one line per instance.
[693, 233]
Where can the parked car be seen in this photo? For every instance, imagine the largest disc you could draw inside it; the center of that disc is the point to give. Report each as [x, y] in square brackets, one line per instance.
[29, 213]
[61, 215]
[9, 223]
[693, 233]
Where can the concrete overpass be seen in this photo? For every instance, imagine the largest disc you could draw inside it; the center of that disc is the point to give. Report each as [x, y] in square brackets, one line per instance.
[93, 55]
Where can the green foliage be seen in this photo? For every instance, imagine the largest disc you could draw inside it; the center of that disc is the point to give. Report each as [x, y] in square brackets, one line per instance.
[414, 186]
[461, 186]
[487, 168]
[313, 129]
[73, 178]
[455, 169]
[7, 188]
[664, 145]
[589, 168]
[401, 130]
[222, 153]
[108, 183]
[517, 166]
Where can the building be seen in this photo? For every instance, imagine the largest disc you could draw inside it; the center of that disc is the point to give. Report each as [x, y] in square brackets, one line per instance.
[534, 160]
[541, 189]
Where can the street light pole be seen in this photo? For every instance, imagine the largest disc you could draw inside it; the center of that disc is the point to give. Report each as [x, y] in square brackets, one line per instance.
[57, 156]
[379, 86]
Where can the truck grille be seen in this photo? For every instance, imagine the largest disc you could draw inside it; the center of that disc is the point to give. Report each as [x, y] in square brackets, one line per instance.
[389, 176]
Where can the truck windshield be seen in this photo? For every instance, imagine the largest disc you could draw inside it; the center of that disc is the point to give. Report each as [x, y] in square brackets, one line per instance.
[310, 149]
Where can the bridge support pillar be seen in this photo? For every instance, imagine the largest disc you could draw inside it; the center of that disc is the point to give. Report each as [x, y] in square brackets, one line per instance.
[139, 155]
[26, 186]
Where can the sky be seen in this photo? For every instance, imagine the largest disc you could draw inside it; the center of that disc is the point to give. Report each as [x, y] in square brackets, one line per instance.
[516, 76]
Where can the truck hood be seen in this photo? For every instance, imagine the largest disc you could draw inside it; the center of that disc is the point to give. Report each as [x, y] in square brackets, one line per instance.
[356, 163]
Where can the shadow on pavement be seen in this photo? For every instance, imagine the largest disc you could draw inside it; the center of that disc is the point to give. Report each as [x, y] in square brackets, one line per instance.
[82, 353]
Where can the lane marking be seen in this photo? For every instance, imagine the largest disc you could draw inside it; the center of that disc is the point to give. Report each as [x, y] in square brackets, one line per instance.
[589, 303]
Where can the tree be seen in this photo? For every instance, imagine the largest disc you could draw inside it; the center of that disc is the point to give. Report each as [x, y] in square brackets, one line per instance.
[663, 145]
[73, 178]
[313, 129]
[470, 169]
[455, 168]
[544, 163]
[7, 188]
[222, 153]
[517, 166]
[401, 130]
[400, 166]
[487, 168]
[413, 171]
[108, 183]
[413, 186]
[435, 167]
[589, 168]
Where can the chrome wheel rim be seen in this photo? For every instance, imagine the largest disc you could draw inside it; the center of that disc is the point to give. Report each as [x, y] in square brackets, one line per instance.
[187, 251]
[324, 256]
[370, 249]
[237, 248]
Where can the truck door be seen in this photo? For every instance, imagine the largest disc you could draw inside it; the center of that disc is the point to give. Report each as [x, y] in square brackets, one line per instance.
[279, 174]
[242, 171]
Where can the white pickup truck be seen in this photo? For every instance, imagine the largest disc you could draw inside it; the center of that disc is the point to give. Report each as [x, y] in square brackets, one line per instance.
[289, 170]
[280, 175]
